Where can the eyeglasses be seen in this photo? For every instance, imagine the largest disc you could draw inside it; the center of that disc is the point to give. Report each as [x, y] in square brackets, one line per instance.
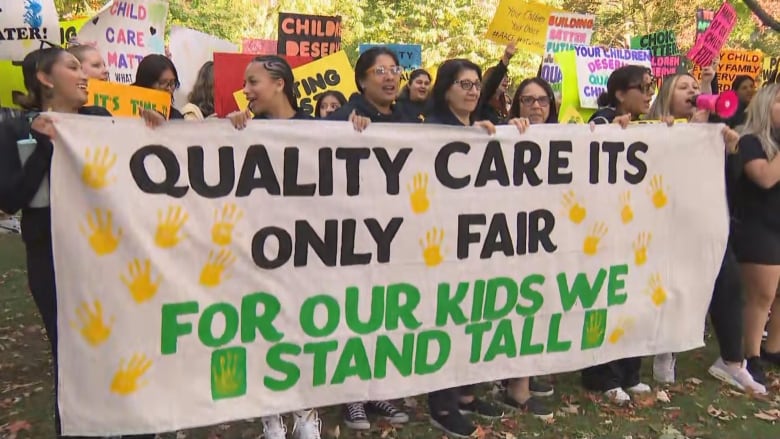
[168, 85]
[383, 70]
[467, 84]
[544, 101]
[648, 89]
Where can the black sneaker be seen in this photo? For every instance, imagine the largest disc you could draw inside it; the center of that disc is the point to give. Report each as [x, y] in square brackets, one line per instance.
[771, 357]
[533, 406]
[756, 369]
[355, 416]
[540, 388]
[480, 408]
[454, 424]
[388, 411]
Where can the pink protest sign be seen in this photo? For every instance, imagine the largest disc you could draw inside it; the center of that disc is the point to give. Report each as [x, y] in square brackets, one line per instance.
[708, 46]
[258, 46]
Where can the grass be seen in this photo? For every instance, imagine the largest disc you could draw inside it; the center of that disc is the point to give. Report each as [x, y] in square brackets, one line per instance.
[26, 392]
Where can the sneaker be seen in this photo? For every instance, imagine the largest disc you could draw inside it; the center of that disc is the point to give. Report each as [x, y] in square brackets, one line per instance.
[663, 368]
[273, 427]
[454, 424]
[389, 412]
[639, 388]
[533, 406]
[736, 376]
[756, 369]
[771, 357]
[480, 408]
[307, 425]
[540, 388]
[10, 225]
[618, 396]
[355, 416]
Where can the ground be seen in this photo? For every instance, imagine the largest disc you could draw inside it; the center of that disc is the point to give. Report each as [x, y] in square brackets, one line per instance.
[699, 407]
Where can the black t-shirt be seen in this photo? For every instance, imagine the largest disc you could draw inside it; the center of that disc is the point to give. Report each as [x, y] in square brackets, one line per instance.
[756, 204]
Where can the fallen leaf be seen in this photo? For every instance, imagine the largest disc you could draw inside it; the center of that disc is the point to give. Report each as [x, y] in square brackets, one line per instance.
[572, 409]
[694, 381]
[768, 415]
[336, 432]
[662, 396]
[410, 402]
[644, 401]
[723, 415]
[510, 423]
[479, 433]
[17, 426]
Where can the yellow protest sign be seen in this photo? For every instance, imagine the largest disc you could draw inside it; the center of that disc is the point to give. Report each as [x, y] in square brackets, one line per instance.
[570, 111]
[127, 100]
[522, 22]
[69, 29]
[241, 100]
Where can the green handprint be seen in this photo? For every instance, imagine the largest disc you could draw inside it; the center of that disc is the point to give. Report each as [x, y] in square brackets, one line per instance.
[228, 373]
[594, 328]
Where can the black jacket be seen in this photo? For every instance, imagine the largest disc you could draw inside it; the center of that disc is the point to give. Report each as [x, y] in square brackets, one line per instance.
[484, 110]
[362, 107]
[444, 117]
[299, 115]
[603, 116]
[410, 110]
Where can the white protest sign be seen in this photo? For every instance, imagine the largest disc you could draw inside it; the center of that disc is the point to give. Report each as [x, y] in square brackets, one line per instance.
[226, 274]
[190, 49]
[24, 24]
[565, 31]
[125, 32]
[595, 64]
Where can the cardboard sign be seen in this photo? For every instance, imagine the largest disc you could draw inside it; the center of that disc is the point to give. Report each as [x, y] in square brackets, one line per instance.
[595, 64]
[347, 286]
[229, 71]
[127, 100]
[708, 46]
[663, 49]
[733, 63]
[125, 32]
[703, 20]
[567, 30]
[409, 56]
[24, 24]
[257, 46]
[313, 36]
[769, 74]
[330, 73]
[524, 23]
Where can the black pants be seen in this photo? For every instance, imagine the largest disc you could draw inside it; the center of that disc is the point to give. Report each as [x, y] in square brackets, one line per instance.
[726, 308]
[619, 373]
[40, 276]
[446, 400]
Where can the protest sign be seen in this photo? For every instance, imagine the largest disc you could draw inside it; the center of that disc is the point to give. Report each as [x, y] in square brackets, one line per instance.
[127, 100]
[595, 64]
[70, 28]
[180, 306]
[524, 23]
[229, 71]
[663, 49]
[333, 72]
[190, 49]
[769, 73]
[570, 110]
[257, 46]
[24, 24]
[125, 32]
[313, 36]
[733, 63]
[565, 31]
[703, 20]
[409, 57]
[708, 46]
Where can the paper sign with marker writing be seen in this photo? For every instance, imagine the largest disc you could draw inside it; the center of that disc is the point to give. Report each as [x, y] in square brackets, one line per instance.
[703, 20]
[565, 31]
[333, 72]
[524, 23]
[733, 63]
[595, 64]
[258, 46]
[769, 74]
[127, 100]
[409, 56]
[125, 32]
[190, 49]
[24, 24]
[663, 50]
[314, 36]
[207, 274]
[708, 45]
[70, 28]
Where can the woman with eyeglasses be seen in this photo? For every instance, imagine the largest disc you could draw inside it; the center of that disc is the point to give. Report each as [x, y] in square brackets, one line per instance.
[55, 81]
[158, 72]
[414, 96]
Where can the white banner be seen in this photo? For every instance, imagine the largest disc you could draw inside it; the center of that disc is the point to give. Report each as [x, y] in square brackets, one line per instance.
[206, 274]
[24, 24]
[126, 31]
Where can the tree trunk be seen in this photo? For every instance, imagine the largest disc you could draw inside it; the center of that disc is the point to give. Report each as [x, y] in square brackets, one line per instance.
[762, 15]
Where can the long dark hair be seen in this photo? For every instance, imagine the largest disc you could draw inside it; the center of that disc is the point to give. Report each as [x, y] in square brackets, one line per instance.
[446, 76]
[622, 79]
[367, 60]
[498, 100]
[404, 95]
[278, 68]
[151, 68]
[514, 110]
[202, 93]
[335, 93]
[41, 60]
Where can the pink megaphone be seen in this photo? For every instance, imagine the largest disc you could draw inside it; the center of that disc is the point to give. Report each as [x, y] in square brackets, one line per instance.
[724, 104]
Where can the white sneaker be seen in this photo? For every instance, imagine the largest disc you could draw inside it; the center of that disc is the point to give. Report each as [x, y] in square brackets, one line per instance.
[273, 427]
[618, 396]
[663, 368]
[10, 224]
[307, 425]
[639, 388]
[737, 376]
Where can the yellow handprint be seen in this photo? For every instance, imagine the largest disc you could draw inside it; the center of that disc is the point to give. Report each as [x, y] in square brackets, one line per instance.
[591, 244]
[656, 290]
[418, 193]
[101, 236]
[96, 168]
[125, 380]
[168, 228]
[431, 247]
[623, 325]
[576, 211]
[141, 286]
[94, 330]
[211, 274]
[226, 377]
[640, 247]
[656, 191]
[222, 230]
[626, 212]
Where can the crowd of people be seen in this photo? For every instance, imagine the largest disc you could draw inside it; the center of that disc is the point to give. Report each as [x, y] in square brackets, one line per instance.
[462, 94]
